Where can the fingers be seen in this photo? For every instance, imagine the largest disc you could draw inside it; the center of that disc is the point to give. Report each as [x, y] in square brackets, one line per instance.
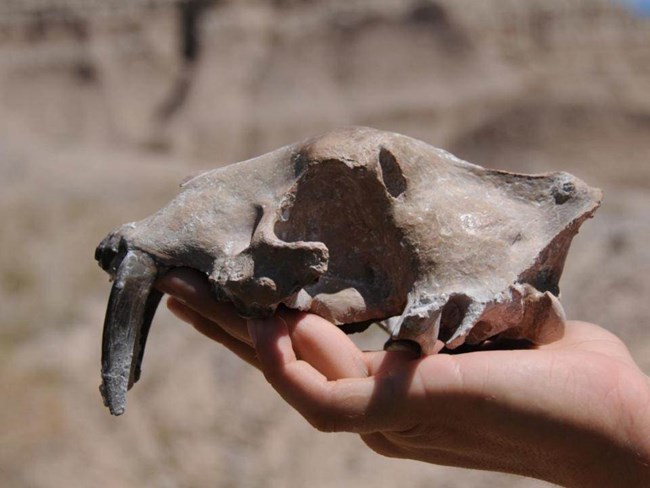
[193, 302]
[357, 404]
[193, 289]
[307, 331]
[323, 345]
[213, 331]
[308, 360]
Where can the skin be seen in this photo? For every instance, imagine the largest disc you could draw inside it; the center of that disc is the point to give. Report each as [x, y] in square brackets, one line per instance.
[575, 412]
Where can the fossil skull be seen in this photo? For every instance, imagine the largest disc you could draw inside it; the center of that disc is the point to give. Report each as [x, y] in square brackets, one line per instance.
[359, 226]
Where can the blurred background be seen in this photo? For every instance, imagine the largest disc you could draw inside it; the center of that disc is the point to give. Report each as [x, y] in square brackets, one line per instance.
[105, 106]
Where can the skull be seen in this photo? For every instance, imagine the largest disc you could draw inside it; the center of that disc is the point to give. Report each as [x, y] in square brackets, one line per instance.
[359, 226]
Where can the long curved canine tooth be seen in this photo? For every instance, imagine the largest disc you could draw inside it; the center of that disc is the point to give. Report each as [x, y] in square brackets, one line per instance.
[130, 310]
[149, 311]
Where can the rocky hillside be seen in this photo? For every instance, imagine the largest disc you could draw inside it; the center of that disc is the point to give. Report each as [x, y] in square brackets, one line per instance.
[105, 106]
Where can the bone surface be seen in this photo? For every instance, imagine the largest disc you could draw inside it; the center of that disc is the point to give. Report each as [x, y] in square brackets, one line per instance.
[359, 226]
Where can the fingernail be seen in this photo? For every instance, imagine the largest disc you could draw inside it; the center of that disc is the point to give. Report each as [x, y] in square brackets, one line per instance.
[253, 325]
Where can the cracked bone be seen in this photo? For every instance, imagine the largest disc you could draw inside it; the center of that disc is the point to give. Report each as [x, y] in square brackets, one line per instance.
[359, 226]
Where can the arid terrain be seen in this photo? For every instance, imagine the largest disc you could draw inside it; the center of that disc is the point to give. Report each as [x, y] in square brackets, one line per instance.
[106, 106]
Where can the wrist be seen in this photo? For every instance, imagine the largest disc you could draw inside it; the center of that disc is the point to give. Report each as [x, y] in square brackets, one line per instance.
[609, 464]
[616, 457]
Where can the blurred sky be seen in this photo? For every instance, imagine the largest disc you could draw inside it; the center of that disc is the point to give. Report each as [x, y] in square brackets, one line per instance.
[641, 7]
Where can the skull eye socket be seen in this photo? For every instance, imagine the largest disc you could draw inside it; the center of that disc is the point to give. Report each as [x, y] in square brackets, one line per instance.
[391, 173]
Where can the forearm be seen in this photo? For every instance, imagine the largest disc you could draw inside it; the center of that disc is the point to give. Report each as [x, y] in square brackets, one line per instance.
[604, 465]
[619, 458]
[585, 460]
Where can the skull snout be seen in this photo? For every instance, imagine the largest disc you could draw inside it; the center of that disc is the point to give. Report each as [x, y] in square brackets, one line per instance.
[111, 252]
[107, 251]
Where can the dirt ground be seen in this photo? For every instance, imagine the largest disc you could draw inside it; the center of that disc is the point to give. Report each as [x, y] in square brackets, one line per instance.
[104, 108]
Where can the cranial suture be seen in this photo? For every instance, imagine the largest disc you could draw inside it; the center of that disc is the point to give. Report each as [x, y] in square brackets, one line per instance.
[359, 226]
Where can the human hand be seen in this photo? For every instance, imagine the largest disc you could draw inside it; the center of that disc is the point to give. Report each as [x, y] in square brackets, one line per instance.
[574, 412]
